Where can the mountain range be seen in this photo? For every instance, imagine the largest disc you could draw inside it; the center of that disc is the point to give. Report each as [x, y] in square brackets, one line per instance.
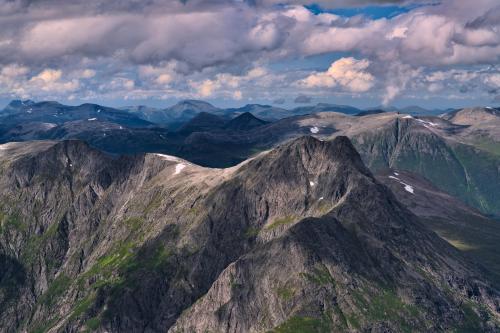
[241, 220]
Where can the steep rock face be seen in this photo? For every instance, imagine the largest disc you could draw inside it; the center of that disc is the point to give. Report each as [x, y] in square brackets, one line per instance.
[416, 146]
[49, 207]
[367, 264]
[300, 235]
[476, 235]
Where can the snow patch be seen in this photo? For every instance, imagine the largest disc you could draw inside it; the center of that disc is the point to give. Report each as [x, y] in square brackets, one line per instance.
[92, 119]
[427, 123]
[408, 117]
[311, 183]
[168, 157]
[321, 198]
[178, 168]
[407, 187]
[396, 174]
[314, 130]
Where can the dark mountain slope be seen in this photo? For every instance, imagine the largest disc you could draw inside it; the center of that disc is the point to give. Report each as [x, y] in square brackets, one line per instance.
[418, 146]
[300, 235]
[244, 122]
[203, 121]
[462, 226]
[368, 264]
[266, 112]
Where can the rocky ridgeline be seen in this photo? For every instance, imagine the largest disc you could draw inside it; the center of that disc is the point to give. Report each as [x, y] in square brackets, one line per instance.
[301, 238]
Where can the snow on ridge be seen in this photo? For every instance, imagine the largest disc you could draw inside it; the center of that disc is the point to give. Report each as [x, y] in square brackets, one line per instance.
[314, 130]
[427, 123]
[407, 187]
[168, 157]
[424, 122]
[92, 119]
[179, 167]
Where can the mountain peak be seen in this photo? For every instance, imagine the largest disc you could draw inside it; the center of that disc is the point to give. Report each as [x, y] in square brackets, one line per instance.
[17, 104]
[190, 103]
[313, 157]
[245, 121]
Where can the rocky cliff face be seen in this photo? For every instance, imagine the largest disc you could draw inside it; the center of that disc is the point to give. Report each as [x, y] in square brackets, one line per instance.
[430, 150]
[299, 238]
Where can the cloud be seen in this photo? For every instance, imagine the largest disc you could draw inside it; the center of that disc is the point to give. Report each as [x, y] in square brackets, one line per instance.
[279, 101]
[237, 95]
[349, 73]
[303, 99]
[493, 80]
[50, 80]
[398, 77]
[229, 85]
[206, 88]
[228, 49]
[221, 31]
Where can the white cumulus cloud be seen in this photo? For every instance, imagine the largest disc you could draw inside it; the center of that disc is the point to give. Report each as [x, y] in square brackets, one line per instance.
[349, 73]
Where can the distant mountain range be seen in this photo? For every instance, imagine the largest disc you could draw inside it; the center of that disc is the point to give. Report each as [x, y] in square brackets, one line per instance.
[183, 111]
[458, 151]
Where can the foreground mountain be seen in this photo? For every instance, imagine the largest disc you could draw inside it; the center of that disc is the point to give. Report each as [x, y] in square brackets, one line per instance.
[299, 238]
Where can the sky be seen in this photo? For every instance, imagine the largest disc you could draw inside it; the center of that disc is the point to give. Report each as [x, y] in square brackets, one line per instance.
[365, 53]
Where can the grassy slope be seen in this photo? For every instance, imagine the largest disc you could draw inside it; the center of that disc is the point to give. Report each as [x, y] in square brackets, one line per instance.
[464, 171]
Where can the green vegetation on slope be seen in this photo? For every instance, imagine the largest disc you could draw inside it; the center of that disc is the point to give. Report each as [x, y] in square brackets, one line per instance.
[298, 324]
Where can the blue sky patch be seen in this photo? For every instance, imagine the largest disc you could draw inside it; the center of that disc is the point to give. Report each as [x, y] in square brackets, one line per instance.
[373, 12]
